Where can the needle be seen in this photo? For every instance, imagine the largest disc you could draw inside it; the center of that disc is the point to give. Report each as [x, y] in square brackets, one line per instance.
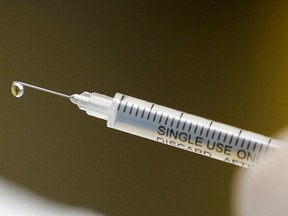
[18, 89]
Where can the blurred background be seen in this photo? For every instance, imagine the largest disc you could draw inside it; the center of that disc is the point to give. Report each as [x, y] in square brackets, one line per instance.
[223, 60]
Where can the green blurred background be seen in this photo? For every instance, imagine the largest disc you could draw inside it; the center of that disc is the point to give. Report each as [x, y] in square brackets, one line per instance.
[223, 60]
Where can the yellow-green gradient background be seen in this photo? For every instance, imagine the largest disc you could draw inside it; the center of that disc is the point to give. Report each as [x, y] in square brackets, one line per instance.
[223, 60]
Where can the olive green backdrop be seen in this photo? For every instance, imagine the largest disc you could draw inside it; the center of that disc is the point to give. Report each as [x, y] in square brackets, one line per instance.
[223, 60]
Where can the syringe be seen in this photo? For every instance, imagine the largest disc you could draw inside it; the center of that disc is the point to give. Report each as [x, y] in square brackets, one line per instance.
[172, 127]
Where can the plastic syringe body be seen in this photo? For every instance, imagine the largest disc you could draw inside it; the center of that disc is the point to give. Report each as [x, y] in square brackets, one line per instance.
[178, 129]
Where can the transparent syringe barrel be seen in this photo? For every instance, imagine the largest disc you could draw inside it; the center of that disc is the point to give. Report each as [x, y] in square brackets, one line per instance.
[178, 129]
[189, 132]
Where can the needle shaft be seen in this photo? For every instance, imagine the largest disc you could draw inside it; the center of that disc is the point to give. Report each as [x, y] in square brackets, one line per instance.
[42, 89]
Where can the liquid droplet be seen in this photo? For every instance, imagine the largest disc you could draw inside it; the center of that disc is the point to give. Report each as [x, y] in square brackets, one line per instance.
[17, 89]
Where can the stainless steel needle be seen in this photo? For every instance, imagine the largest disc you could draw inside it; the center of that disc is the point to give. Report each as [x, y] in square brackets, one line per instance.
[17, 89]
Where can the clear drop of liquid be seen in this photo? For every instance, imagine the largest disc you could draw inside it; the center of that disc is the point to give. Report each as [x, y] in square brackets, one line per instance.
[17, 89]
